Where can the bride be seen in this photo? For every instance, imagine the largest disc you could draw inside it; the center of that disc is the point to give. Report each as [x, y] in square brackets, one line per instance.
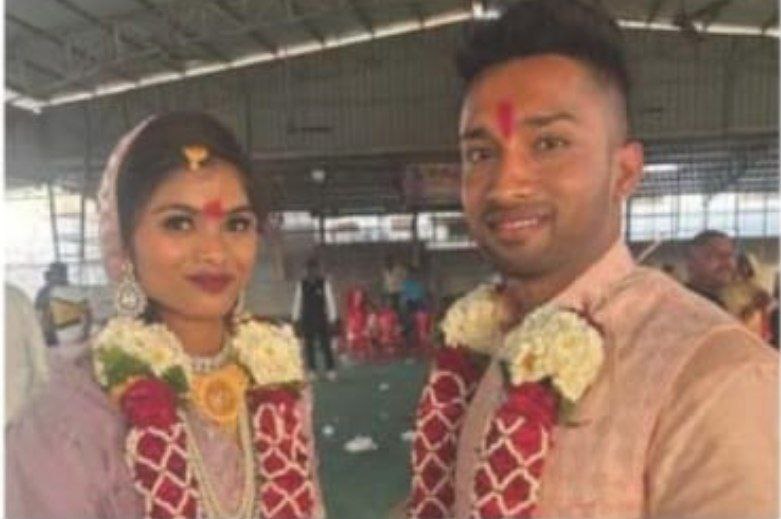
[183, 406]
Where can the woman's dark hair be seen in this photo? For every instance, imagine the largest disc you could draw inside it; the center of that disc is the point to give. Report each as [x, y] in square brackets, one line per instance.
[157, 152]
[571, 28]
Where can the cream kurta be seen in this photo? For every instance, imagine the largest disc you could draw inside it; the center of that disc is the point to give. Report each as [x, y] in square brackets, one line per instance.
[681, 422]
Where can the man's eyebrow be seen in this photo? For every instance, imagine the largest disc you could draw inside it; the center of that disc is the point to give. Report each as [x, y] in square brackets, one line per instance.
[546, 119]
[478, 132]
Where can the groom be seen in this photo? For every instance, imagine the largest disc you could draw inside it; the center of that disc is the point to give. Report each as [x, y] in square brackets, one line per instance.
[680, 418]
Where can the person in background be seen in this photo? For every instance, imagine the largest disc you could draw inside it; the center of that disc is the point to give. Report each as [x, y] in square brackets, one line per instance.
[63, 309]
[773, 319]
[747, 300]
[710, 264]
[26, 368]
[393, 275]
[314, 312]
[411, 299]
[55, 274]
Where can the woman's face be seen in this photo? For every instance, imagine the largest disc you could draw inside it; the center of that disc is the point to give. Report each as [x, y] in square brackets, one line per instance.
[194, 243]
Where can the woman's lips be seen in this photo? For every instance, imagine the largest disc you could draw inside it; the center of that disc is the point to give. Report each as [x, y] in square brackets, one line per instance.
[212, 283]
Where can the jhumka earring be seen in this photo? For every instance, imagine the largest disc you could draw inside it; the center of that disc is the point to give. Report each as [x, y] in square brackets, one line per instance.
[129, 298]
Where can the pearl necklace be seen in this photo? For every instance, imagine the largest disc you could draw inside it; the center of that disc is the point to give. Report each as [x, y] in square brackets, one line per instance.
[212, 508]
[202, 365]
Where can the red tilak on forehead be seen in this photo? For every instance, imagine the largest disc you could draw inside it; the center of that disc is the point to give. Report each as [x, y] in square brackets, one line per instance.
[505, 118]
[213, 209]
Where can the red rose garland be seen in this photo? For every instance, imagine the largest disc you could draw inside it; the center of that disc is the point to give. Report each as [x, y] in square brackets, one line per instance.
[549, 360]
[146, 371]
[282, 455]
[512, 455]
[156, 451]
[149, 402]
[440, 413]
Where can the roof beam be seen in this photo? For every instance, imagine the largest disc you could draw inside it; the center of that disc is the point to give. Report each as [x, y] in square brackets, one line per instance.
[771, 20]
[259, 38]
[710, 12]
[361, 15]
[653, 9]
[305, 21]
[344, 41]
[165, 55]
[45, 71]
[94, 20]
[417, 10]
[59, 42]
[188, 34]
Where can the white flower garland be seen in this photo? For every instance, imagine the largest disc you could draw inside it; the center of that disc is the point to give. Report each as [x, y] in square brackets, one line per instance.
[550, 342]
[269, 352]
[554, 343]
[474, 321]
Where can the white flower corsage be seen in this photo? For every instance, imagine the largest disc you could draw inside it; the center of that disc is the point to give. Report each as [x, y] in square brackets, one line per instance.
[128, 348]
[556, 344]
[271, 353]
[475, 321]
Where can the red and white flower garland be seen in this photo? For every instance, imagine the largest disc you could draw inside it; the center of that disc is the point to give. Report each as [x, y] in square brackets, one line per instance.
[145, 369]
[549, 360]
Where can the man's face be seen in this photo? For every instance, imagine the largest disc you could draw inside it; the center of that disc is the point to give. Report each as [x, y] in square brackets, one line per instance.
[712, 266]
[545, 165]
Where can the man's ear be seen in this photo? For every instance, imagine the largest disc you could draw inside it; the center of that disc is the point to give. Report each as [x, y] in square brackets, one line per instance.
[629, 167]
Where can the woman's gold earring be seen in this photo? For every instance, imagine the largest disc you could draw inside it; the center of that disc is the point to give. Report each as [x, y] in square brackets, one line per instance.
[129, 299]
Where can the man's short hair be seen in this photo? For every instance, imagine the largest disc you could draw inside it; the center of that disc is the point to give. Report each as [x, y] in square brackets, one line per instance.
[572, 28]
[704, 238]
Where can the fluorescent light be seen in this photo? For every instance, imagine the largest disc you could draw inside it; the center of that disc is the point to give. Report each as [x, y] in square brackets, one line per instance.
[203, 70]
[254, 59]
[27, 103]
[479, 12]
[447, 19]
[156, 79]
[660, 168]
[301, 49]
[114, 88]
[395, 29]
[343, 41]
[69, 98]
[714, 28]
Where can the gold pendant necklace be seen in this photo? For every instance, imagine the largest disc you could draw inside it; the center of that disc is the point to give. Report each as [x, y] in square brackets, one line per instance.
[219, 395]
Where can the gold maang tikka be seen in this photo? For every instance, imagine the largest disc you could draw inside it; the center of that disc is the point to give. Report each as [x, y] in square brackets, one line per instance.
[195, 154]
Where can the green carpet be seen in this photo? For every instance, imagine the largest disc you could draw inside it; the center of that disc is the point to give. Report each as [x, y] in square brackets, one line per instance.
[366, 485]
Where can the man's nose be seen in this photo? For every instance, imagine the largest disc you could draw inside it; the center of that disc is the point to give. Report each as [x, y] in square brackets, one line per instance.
[515, 175]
